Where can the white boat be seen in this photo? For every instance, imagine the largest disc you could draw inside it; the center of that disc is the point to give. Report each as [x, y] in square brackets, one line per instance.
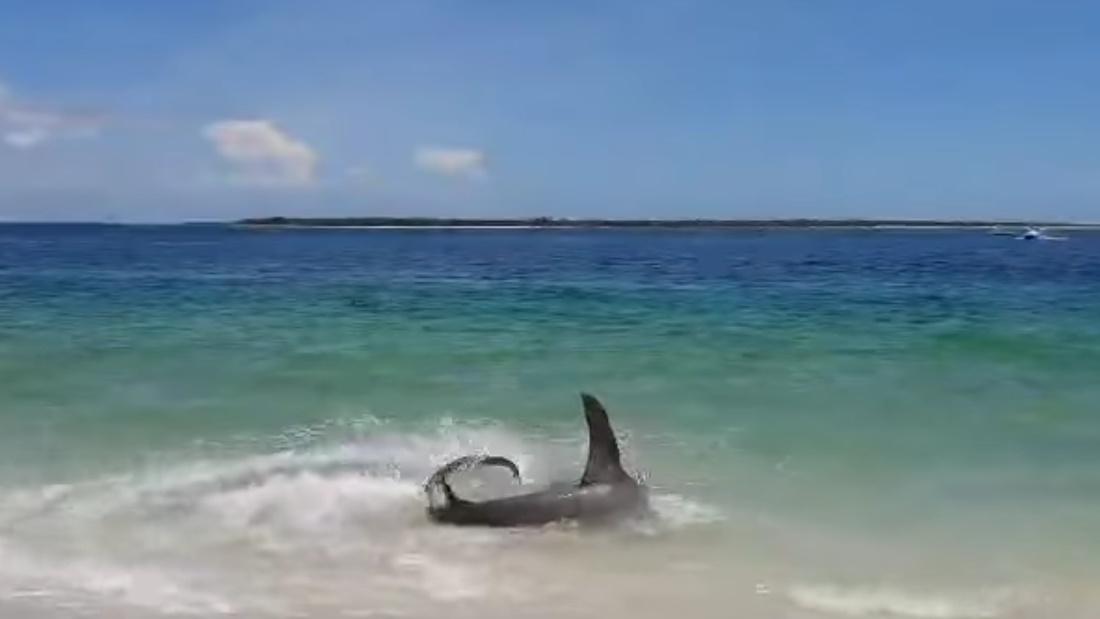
[1038, 234]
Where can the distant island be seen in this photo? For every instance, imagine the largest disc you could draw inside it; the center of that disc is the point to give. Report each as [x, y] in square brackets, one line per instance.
[551, 222]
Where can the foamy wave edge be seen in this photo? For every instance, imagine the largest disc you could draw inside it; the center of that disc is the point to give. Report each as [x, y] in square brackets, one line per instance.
[283, 502]
[883, 601]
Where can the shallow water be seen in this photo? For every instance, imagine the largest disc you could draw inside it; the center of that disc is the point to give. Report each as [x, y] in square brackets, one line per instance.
[205, 421]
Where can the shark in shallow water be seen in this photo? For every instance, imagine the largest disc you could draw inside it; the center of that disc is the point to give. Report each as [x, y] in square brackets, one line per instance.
[604, 492]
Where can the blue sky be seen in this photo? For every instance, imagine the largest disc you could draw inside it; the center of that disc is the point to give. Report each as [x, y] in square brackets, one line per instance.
[151, 111]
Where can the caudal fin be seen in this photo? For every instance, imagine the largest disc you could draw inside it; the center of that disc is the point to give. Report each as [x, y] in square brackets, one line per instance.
[439, 478]
[604, 461]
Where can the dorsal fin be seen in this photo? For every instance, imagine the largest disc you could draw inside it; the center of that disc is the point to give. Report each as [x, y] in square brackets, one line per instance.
[604, 465]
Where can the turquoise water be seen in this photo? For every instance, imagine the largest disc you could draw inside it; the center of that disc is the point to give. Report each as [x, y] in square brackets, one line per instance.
[208, 420]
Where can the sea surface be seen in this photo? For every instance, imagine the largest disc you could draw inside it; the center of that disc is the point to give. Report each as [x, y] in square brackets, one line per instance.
[204, 421]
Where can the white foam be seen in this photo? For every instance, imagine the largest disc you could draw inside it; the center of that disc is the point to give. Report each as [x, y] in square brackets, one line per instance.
[678, 511]
[27, 576]
[892, 602]
[184, 538]
[321, 526]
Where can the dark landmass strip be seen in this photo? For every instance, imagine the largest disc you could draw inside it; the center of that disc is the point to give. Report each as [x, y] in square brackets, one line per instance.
[549, 222]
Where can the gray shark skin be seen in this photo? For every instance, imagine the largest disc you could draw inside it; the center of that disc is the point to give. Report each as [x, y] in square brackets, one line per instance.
[605, 491]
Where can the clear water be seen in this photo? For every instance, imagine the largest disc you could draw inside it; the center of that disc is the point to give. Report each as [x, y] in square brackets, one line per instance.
[206, 421]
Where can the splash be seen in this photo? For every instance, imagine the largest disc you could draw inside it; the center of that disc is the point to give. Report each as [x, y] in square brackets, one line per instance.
[328, 525]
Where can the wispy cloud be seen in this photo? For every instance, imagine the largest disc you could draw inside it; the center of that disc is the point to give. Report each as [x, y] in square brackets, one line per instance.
[25, 125]
[263, 154]
[456, 162]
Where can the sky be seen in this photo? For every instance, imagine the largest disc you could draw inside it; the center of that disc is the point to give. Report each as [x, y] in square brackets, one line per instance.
[137, 110]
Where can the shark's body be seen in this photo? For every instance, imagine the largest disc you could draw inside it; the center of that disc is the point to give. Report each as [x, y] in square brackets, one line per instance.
[604, 492]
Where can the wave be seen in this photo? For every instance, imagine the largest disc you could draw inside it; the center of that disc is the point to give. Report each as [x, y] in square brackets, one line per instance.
[328, 525]
[903, 604]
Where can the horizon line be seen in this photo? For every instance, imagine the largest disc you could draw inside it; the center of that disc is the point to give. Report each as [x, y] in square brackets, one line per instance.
[419, 221]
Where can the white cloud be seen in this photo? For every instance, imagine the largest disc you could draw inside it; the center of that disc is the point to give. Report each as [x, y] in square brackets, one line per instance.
[262, 153]
[26, 137]
[452, 161]
[26, 125]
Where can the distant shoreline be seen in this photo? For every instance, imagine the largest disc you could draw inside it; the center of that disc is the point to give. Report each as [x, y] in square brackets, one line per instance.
[545, 222]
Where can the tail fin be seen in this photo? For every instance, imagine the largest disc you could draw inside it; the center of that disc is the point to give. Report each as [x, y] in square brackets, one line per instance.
[604, 465]
[439, 478]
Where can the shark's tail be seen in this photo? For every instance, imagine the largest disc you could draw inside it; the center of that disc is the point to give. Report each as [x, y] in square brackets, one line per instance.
[438, 479]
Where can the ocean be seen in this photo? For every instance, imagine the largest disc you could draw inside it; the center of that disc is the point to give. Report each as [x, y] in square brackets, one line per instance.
[201, 421]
